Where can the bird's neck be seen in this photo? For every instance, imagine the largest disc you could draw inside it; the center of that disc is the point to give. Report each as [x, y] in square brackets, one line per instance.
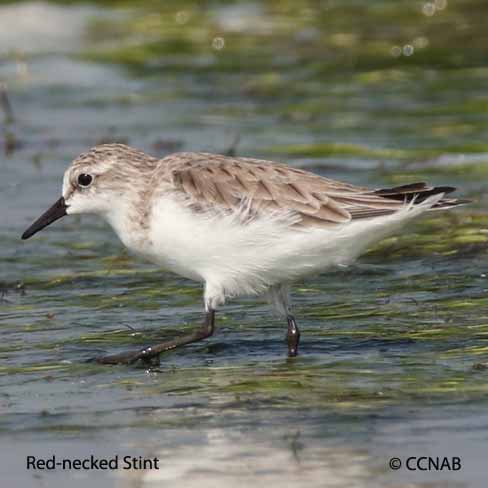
[129, 217]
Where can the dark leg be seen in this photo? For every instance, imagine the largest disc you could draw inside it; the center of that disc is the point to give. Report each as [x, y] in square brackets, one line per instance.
[293, 336]
[148, 354]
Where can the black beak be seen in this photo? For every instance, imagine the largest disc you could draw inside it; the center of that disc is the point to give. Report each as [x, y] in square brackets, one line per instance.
[57, 211]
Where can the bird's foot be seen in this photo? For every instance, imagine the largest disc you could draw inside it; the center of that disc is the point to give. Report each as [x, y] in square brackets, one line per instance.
[149, 356]
[293, 337]
[146, 356]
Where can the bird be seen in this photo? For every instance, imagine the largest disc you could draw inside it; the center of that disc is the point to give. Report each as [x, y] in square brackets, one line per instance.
[241, 226]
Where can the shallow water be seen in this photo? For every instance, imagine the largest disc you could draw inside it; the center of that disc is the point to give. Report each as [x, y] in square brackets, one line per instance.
[394, 349]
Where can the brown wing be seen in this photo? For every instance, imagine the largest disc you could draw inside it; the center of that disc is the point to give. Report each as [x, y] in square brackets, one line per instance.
[210, 180]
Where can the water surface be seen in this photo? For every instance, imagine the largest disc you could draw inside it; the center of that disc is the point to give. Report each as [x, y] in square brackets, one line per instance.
[394, 349]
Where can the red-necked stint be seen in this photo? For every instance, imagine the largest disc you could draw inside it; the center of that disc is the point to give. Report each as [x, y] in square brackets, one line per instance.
[241, 226]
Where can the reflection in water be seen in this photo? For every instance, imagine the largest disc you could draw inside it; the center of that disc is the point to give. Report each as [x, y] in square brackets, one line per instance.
[225, 459]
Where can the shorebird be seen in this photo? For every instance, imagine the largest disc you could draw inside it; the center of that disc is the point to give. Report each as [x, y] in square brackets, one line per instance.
[241, 226]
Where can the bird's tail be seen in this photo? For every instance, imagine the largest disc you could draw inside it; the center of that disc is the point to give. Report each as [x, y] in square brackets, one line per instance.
[416, 193]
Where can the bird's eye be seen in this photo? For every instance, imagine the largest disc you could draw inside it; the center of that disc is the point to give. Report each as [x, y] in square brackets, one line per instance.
[85, 180]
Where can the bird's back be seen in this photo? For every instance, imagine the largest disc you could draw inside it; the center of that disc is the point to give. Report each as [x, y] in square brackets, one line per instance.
[210, 181]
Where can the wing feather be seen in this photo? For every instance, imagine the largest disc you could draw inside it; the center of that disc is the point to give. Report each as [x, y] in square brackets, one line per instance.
[210, 180]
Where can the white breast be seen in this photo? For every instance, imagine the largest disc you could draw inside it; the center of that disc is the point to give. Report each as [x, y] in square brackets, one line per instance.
[217, 248]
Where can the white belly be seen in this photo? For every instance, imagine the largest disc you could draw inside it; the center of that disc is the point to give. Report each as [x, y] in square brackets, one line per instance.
[246, 258]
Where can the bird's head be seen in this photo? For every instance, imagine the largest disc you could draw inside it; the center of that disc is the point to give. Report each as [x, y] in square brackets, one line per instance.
[97, 182]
